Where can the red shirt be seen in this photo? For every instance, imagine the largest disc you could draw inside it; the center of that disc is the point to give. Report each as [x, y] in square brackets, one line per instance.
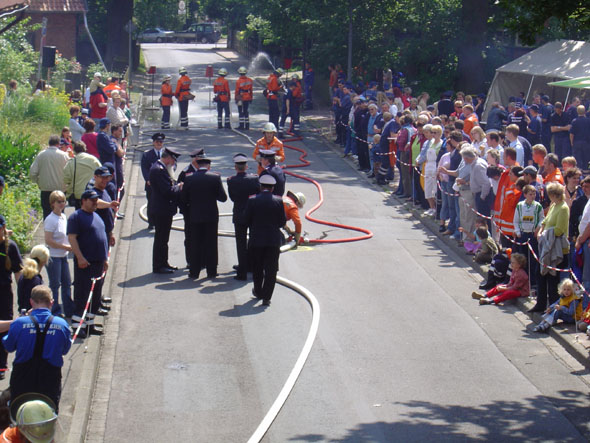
[89, 140]
[96, 112]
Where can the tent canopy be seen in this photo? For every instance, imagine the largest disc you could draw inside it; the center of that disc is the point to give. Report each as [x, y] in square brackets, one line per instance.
[575, 83]
[535, 71]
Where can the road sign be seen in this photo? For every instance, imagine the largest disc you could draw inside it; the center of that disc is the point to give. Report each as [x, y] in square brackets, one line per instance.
[130, 27]
[209, 71]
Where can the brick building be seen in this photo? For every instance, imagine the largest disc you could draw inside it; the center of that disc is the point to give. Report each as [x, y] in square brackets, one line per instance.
[62, 23]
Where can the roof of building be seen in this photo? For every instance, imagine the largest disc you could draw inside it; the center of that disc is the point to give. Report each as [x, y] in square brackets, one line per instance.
[56, 6]
[11, 5]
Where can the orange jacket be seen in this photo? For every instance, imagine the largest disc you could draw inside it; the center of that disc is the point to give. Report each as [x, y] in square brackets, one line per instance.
[555, 176]
[244, 89]
[108, 89]
[275, 145]
[167, 94]
[469, 123]
[12, 435]
[183, 87]
[273, 87]
[221, 89]
[506, 219]
[292, 212]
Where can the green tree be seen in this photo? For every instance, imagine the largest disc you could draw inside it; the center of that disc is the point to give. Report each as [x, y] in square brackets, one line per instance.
[17, 57]
[546, 17]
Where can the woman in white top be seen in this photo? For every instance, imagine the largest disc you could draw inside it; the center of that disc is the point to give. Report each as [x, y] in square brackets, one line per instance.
[430, 168]
[58, 268]
[478, 141]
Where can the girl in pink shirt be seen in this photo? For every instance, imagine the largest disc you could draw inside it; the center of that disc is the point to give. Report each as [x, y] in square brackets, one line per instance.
[518, 286]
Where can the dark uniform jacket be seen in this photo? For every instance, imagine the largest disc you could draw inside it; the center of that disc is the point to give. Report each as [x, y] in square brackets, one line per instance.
[148, 159]
[200, 193]
[279, 175]
[265, 217]
[164, 192]
[240, 187]
[184, 174]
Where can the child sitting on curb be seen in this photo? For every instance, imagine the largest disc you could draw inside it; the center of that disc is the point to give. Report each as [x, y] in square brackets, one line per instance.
[568, 308]
[518, 286]
[472, 240]
[488, 249]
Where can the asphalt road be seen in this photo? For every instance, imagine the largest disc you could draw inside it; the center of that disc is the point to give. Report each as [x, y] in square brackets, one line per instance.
[403, 352]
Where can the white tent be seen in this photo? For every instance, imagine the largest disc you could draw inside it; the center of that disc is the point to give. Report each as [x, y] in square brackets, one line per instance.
[531, 73]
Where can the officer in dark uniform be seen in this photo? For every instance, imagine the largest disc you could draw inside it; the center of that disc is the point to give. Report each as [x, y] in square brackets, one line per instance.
[164, 204]
[268, 162]
[240, 187]
[147, 160]
[265, 216]
[201, 192]
[187, 172]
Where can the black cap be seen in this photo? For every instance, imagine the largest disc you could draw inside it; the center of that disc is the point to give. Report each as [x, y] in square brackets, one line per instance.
[103, 171]
[173, 152]
[90, 193]
[534, 108]
[199, 152]
[203, 159]
[267, 153]
[158, 136]
[110, 166]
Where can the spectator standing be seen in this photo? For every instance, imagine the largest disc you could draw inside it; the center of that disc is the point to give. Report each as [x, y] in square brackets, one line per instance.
[496, 118]
[533, 134]
[560, 126]
[308, 80]
[89, 137]
[580, 138]
[10, 263]
[514, 142]
[546, 112]
[76, 129]
[553, 247]
[98, 103]
[31, 276]
[88, 239]
[47, 171]
[107, 148]
[77, 173]
[58, 269]
[115, 114]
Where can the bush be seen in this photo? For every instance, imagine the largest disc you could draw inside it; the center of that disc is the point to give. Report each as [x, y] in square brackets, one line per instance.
[20, 205]
[51, 106]
[17, 154]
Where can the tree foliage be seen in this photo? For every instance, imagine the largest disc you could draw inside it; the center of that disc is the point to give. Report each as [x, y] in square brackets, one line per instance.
[565, 18]
[17, 57]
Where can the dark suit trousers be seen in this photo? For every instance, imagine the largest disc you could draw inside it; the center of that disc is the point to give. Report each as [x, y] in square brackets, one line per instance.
[162, 224]
[242, 248]
[265, 265]
[203, 247]
[148, 196]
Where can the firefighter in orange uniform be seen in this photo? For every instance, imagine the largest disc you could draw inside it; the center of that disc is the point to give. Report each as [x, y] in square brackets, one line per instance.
[273, 86]
[293, 202]
[243, 97]
[183, 95]
[166, 101]
[222, 96]
[269, 141]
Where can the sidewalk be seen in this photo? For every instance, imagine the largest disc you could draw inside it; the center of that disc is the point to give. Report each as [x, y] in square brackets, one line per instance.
[577, 344]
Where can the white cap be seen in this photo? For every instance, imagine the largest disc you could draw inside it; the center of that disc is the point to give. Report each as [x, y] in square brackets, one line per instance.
[240, 158]
[267, 179]
[98, 74]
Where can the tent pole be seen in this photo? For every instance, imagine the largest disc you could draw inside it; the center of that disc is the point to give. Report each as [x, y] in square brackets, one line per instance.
[484, 114]
[529, 91]
[567, 96]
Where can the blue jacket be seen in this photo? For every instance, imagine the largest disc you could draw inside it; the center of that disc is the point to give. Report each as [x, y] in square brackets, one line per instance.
[21, 338]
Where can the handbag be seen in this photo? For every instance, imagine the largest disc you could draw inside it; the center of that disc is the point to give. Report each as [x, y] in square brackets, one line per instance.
[72, 196]
[188, 96]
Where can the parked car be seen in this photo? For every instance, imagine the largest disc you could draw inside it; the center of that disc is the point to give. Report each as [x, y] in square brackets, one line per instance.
[199, 33]
[155, 35]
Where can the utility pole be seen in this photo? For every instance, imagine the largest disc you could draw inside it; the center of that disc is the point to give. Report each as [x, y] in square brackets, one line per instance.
[349, 70]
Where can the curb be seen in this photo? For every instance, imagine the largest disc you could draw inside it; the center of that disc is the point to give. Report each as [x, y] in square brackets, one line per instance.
[565, 335]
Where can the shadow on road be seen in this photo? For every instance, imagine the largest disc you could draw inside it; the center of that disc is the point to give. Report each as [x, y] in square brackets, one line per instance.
[530, 420]
[247, 308]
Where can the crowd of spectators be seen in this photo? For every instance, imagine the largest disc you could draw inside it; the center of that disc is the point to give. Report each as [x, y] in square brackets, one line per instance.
[92, 182]
[512, 184]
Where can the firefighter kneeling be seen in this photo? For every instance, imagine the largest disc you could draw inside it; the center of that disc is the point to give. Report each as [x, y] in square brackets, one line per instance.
[292, 202]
